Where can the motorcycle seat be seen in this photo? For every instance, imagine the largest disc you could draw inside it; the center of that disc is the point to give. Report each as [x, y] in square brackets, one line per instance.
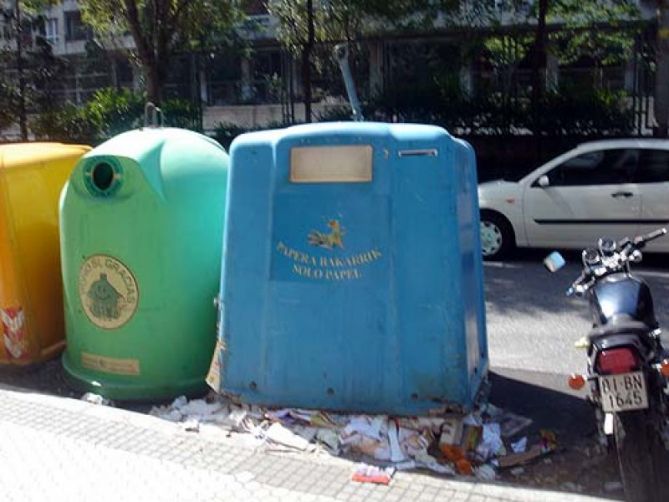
[622, 327]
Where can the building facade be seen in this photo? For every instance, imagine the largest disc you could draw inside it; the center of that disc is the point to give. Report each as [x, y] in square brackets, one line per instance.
[263, 86]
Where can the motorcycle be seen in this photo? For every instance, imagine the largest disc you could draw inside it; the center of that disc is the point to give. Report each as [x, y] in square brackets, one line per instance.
[627, 367]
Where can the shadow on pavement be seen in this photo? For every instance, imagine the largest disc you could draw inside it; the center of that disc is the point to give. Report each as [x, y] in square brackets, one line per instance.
[546, 399]
[578, 465]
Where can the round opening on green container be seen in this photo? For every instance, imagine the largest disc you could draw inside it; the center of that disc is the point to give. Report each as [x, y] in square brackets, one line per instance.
[102, 175]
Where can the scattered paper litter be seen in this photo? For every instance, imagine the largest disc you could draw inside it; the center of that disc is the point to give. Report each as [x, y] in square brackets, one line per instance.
[472, 420]
[179, 402]
[396, 454]
[171, 415]
[365, 473]
[199, 408]
[493, 411]
[485, 472]
[429, 462]
[408, 465]
[472, 444]
[329, 438]
[305, 431]
[278, 434]
[491, 444]
[367, 426]
[191, 425]
[513, 459]
[520, 445]
[378, 449]
[415, 443]
[92, 398]
[422, 423]
[451, 431]
[511, 424]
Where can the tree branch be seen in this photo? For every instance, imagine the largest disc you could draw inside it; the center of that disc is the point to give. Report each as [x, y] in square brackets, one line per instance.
[132, 16]
[177, 12]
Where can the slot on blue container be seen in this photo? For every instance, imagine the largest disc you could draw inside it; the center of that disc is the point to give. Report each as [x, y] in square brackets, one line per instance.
[352, 274]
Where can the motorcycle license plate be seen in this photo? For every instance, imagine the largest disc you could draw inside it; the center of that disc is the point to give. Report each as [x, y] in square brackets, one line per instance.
[623, 392]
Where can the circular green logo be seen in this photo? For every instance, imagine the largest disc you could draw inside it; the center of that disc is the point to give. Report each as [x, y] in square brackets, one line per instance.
[108, 291]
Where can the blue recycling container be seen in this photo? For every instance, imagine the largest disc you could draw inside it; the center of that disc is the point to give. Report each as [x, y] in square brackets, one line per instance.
[352, 274]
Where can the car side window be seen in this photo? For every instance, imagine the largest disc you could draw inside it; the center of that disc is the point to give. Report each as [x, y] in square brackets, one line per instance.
[653, 166]
[601, 167]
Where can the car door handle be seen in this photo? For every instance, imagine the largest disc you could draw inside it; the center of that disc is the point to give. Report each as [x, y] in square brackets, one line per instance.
[622, 194]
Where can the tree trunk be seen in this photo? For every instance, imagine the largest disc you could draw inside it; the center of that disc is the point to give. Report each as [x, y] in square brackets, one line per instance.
[661, 101]
[23, 116]
[153, 83]
[306, 62]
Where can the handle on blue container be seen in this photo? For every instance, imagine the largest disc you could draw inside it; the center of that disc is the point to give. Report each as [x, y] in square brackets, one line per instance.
[341, 53]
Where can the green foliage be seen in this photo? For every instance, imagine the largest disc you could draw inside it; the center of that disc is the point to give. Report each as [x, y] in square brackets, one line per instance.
[337, 20]
[66, 123]
[109, 112]
[113, 111]
[584, 112]
[8, 104]
[225, 132]
[180, 24]
[598, 30]
[602, 31]
[506, 51]
[42, 71]
[568, 111]
[159, 28]
[181, 113]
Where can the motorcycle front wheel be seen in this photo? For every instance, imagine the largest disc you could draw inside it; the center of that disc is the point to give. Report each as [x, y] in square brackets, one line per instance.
[635, 438]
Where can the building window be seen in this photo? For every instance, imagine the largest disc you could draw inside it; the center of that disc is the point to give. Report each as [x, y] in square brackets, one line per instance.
[75, 29]
[51, 30]
[6, 32]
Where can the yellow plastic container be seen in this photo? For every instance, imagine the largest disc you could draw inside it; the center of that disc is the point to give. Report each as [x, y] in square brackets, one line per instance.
[32, 176]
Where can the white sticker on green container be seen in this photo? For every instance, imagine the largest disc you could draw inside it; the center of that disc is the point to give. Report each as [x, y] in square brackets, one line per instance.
[108, 291]
[110, 364]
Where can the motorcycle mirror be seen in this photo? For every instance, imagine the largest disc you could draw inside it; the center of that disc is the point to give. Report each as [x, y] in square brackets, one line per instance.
[607, 246]
[554, 262]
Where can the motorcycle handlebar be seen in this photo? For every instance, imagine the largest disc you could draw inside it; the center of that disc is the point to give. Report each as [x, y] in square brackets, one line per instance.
[626, 248]
[578, 285]
[640, 241]
[653, 235]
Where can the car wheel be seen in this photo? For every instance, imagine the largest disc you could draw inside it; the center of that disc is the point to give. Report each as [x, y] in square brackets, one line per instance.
[497, 238]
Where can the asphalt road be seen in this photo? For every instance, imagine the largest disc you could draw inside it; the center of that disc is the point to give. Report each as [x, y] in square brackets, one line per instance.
[532, 324]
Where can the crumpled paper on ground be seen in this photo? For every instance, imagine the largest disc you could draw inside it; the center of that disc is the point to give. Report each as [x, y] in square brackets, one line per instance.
[280, 435]
[472, 444]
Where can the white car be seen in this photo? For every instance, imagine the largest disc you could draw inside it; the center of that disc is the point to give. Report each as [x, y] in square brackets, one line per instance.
[612, 188]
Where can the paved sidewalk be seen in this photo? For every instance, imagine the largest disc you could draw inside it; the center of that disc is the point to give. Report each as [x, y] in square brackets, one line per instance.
[55, 448]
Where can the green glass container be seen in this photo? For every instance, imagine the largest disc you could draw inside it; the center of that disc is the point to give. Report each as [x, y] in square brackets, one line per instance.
[142, 220]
